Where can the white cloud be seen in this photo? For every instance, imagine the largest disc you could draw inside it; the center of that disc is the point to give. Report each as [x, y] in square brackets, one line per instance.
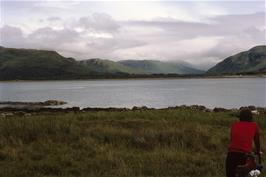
[11, 36]
[99, 22]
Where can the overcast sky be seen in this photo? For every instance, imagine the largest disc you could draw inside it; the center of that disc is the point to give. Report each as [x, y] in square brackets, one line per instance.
[200, 32]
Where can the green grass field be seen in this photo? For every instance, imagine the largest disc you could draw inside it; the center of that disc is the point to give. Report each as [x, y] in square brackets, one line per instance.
[151, 143]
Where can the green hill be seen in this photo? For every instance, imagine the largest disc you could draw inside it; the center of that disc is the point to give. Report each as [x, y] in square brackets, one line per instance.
[37, 64]
[251, 61]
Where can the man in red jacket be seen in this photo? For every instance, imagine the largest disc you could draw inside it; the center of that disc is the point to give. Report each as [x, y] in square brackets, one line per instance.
[243, 133]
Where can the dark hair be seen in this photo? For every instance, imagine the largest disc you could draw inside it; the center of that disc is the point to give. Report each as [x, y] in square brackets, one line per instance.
[245, 115]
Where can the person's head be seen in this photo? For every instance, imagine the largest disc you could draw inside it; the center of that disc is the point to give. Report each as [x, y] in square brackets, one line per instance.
[245, 115]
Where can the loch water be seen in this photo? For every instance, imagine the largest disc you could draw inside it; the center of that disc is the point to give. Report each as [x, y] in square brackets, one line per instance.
[156, 93]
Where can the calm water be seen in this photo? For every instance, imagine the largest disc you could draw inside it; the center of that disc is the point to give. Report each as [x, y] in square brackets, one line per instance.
[158, 93]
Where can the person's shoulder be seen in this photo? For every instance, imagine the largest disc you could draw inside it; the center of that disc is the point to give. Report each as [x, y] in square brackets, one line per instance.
[245, 123]
[253, 124]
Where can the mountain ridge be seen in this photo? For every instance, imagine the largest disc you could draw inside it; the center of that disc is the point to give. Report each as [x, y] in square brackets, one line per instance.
[46, 64]
[250, 61]
[34, 64]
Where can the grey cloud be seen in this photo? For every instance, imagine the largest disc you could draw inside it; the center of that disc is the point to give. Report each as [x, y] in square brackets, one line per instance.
[49, 35]
[67, 41]
[49, 39]
[242, 20]
[234, 44]
[99, 22]
[43, 38]
[10, 31]
[256, 34]
[173, 28]
[218, 26]
[229, 45]
[11, 36]
[54, 19]
[114, 44]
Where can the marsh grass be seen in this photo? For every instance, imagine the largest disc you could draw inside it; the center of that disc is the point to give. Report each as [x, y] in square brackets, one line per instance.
[152, 143]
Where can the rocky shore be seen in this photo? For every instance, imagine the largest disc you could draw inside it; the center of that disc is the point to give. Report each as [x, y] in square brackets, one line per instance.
[30, 110]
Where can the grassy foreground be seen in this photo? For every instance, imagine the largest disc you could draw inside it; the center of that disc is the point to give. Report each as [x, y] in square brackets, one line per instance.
[151, 143]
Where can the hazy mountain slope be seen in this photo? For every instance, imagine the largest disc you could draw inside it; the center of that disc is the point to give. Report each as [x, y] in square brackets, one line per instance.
[253, 60]
[158, 67]
[108, 66]
[138, 67]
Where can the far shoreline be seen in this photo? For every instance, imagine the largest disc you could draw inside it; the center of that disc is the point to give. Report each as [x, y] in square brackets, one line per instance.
[41, 109]
[143, 78]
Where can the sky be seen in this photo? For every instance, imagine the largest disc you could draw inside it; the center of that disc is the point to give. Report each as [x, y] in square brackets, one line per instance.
[198, 32]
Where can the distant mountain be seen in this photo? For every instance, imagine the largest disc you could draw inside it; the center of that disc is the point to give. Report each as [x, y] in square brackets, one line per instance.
[108, 66]
[159, 67]
[251, 61]
[43, 64]
[138, 67]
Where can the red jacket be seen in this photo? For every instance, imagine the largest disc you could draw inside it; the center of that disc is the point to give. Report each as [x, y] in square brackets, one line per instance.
[242, 136]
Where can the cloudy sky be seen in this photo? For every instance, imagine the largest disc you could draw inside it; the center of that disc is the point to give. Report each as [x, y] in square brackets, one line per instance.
[200, 32]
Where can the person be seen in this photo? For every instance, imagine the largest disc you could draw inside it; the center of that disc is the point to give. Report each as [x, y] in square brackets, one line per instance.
[243, 133]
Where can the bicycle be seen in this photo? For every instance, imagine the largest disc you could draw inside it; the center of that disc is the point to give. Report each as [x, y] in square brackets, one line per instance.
[252, 168]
